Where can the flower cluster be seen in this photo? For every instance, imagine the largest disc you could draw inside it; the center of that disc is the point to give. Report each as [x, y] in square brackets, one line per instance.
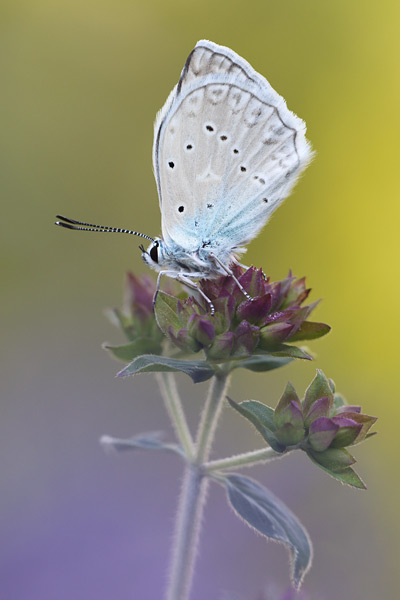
[322, 420]
[272, 317]
[321, 424]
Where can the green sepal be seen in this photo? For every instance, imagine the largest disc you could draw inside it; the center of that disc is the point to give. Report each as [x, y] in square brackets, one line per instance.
[309, 330]
[290, 435]
[338, 401]
[283, 412]
[346, 436]
[123, 322]
[198, 370]
[290, 351]
[128, 352]
[318, 388]
[346, 475]
[333, 459]
[262, 417]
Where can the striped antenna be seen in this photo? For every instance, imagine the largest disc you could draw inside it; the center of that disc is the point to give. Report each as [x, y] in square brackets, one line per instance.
[81, 226]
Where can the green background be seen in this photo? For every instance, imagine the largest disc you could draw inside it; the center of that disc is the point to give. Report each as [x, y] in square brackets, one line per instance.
[81, 82]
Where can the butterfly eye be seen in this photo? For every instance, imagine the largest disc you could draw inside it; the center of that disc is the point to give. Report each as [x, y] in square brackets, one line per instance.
[154, 253]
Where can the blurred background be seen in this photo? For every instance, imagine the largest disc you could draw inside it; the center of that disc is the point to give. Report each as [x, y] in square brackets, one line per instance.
[81, 83]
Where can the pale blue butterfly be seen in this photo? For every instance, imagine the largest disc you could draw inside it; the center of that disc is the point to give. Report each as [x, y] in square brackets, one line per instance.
[227, 151]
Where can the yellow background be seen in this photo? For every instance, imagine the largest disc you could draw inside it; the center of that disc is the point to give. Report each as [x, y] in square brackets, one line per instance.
[81, 82]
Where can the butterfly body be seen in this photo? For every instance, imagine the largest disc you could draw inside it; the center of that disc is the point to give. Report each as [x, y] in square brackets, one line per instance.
[203, 260]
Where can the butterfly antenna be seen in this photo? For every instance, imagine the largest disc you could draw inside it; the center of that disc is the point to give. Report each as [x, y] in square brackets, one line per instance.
[81, 226]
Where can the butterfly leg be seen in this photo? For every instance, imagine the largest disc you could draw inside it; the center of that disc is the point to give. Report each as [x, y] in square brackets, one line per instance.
[185, 279]
[160, 274]
[194, 286]
[229, 272]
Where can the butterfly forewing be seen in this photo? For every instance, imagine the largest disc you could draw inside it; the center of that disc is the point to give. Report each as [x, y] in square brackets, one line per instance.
[227, 152]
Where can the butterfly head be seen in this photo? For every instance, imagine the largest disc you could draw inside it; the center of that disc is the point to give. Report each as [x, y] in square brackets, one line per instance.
[154, 256]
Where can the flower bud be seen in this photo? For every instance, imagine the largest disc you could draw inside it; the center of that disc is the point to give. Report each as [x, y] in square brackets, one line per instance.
[321, 433]
[222, 346]
[202, 330]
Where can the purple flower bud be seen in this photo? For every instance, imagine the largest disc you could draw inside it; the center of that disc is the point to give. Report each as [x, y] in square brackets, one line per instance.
[284, 286]
[184, 340]
[202, 330]
[365, 423]
[322, 432]
[274, 334]
[253, 282]
[247, 337]
[296, 293]
[225, 307]
[288, 409]
[255, 311]
[139, 294]
[222, 346]
[289, 434]
[292, 414]
[279, 316]
[320, 408]
[348, 432]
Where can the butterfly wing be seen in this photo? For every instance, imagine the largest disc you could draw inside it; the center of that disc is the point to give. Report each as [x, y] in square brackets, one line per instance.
[227, 151]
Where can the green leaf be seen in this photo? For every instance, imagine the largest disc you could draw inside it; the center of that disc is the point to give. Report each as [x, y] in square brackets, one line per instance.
[128, 352]
[166, 311]
[268, 515]
[345, 475]
[261, 363]
[309, 330]
[198, 370]
[262, 417]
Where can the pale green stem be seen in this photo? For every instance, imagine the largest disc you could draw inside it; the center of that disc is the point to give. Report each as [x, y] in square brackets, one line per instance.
[173, 405]
[187, 533]
[209, 418]
[192, 500]
[246, 459]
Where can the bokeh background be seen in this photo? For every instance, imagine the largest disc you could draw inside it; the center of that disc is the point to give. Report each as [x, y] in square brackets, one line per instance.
[81, 82]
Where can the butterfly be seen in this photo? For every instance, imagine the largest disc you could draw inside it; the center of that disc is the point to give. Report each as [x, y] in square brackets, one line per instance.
[227, 151]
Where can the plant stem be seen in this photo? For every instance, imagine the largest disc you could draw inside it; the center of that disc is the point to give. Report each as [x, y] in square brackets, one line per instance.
[246, 459]
[173, 405]
[192, 500]
[209, 418]
[187, 533]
